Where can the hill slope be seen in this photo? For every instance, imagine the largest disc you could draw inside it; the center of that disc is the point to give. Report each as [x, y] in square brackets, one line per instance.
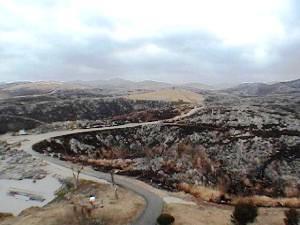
[38, 88]
[262, 89]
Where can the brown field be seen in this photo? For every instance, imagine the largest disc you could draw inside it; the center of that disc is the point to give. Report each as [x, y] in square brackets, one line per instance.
[171, 95]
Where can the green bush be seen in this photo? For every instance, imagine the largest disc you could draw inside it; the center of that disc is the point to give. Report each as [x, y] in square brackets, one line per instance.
[244, 213]
[291, 217]
[165, 219]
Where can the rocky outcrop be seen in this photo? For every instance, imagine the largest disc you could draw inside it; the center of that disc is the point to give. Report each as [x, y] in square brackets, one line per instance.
[244, 148]
[17, 164]
[245, 164]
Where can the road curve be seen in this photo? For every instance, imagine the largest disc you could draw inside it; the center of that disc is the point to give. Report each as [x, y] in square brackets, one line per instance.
[154, 203]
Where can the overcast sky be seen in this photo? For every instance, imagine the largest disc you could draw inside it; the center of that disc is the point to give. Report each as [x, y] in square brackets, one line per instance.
[207, 41]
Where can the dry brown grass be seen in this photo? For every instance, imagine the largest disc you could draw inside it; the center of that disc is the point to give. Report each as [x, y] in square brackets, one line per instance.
[201, 192]
[213, 195]
[265, 201]
[114, 163]
[212, 214]
[170, 95]
[197, 215]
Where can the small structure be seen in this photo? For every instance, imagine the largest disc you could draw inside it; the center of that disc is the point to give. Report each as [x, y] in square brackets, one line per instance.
[22, 132]
[92, 200]
[27, 194]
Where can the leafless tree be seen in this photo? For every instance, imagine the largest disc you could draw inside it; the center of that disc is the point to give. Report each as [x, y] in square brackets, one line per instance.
[112, 173]
[76, 170]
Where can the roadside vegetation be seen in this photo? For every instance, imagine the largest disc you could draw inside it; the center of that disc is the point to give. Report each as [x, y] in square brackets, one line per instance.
[244, 213]
[217, 195]
[165, 219]
[292, 217]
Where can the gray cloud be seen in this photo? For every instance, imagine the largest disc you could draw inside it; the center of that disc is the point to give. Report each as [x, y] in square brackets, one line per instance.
[50, 53]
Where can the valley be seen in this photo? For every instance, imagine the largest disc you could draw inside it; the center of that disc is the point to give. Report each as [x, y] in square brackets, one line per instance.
[214, 146]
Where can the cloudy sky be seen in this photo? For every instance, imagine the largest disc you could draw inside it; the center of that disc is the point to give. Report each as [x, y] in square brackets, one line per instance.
[208, 41]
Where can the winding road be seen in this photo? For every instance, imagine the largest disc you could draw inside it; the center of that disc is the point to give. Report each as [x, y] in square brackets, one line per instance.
[154, 202]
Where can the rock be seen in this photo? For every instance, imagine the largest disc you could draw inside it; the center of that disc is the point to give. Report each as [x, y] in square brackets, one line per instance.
[18, 165]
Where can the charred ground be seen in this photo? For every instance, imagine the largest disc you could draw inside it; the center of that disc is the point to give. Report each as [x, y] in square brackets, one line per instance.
[244, 145]
[48, 112]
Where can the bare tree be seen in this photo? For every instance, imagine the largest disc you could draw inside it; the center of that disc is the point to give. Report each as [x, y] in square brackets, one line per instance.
[112, 173]
[76, 170]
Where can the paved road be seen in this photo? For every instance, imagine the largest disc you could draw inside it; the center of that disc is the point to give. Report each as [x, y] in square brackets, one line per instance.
[154, 203]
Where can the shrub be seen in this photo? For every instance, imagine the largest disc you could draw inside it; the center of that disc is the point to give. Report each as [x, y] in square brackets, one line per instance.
[202, 192]
[65, 189]
[83, 214]
[244, 213]
[165, 219]
[291, 217]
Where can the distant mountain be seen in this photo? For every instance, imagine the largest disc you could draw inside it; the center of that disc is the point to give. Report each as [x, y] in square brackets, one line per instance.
[122, 84]
[122, 87]
[113, 83]
[37, 88]
[148, 85]
[196, 86]
[293, 83]
[262, 89]
[4, 85]
[152, 85]
[42, 86]
[112, 87]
